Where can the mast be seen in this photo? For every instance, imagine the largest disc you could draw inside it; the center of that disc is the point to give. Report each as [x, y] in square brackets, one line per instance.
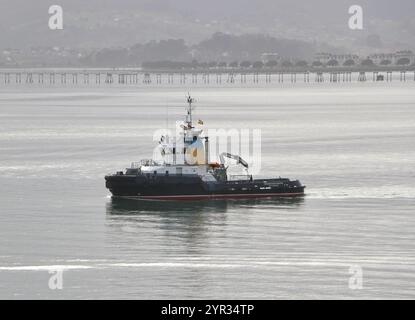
[189, 119]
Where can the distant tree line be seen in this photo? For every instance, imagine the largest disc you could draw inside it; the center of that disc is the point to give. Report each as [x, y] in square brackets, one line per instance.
[218, 52]
[220, 49]
[258, 65]
[365, 62]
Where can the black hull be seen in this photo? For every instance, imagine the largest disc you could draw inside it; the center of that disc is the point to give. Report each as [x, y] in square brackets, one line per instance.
[194, 188]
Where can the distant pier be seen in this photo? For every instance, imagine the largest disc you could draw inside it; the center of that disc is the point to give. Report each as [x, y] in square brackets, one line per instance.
[139, 77]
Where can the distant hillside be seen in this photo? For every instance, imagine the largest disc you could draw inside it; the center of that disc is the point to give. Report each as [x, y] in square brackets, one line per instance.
[389, 25]
[219, 47]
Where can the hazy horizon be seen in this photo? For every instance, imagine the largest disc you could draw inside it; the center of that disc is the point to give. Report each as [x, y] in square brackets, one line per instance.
[123, 23]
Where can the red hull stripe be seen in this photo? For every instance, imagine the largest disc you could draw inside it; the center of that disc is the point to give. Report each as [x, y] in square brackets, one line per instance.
[222, 196]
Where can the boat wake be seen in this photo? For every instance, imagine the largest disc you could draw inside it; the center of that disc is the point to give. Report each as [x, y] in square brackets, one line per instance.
[220, 263]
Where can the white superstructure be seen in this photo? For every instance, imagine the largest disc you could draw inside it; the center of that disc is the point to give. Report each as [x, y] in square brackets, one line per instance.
[186, 154]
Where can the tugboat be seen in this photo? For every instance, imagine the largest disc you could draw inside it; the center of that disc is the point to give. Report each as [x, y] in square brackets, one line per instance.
[185, 173]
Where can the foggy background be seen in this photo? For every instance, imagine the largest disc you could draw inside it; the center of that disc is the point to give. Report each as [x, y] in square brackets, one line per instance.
[204, 30]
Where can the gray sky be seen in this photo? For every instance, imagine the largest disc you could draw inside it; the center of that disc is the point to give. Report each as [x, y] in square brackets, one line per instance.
[106, 23]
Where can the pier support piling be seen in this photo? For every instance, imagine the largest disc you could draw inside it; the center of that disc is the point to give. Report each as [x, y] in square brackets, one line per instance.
[362, 76]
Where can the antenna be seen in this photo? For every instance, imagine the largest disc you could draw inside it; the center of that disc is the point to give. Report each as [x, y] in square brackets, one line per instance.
[190, 100]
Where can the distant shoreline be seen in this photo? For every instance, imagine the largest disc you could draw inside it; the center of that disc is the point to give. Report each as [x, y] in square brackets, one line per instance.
[310, 69]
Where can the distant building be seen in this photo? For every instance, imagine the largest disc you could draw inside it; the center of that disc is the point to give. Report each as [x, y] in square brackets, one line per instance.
[325, 57]
[322, 57]
[377, 58]
[405, 54]
[342, 58]
[266, 57]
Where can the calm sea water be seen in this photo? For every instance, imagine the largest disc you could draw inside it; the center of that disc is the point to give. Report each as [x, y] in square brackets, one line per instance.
[351, 144]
